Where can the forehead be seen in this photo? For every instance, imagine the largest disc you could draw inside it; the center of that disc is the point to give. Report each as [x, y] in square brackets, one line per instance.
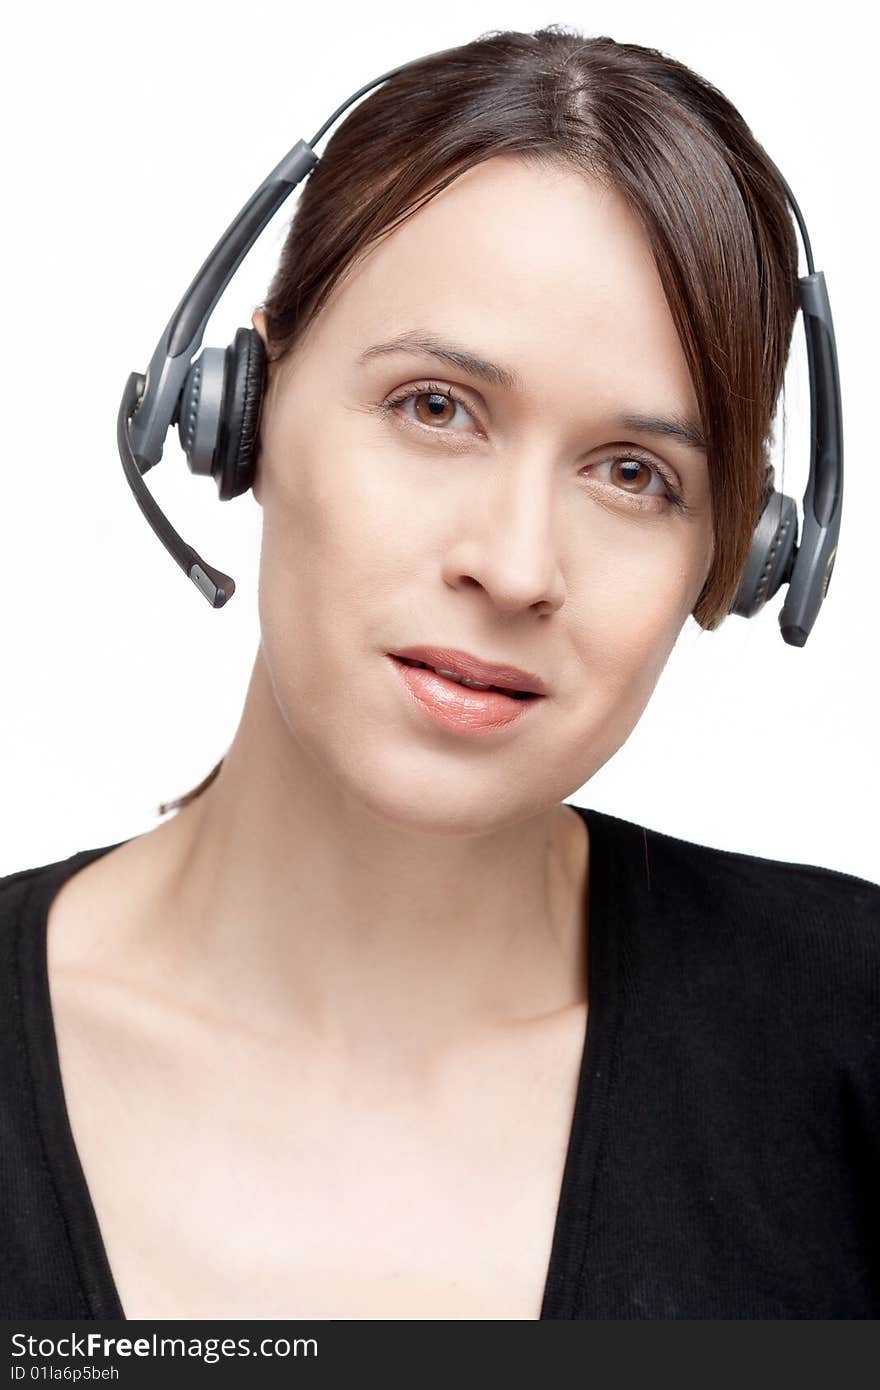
[541, 266]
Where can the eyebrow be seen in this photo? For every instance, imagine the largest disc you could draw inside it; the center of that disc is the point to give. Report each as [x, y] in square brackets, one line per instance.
[676, 427]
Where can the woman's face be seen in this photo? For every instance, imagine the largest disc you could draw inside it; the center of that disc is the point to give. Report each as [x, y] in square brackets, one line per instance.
[493, 519]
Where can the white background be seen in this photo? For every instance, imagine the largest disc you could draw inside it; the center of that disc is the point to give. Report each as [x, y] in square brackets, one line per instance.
[133, 135]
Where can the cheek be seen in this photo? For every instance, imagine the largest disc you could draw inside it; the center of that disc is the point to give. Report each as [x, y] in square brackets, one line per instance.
[629, 622]
[338, 550]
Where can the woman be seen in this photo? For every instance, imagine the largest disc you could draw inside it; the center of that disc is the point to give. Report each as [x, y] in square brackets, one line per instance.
[378, 1026]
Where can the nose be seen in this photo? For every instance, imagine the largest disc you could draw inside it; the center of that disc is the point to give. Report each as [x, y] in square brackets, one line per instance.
[509, 540]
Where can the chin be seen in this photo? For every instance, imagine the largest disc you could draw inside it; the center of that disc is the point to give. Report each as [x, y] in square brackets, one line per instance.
[465, 800]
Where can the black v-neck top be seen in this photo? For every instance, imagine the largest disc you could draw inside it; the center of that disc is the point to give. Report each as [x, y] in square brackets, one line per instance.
[724, 1152]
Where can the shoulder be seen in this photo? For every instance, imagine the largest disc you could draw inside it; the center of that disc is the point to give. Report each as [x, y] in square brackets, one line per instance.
[30, 890]
[810, 892]
[16, 887]
[801, 930]
[803, 935]
[731, 879]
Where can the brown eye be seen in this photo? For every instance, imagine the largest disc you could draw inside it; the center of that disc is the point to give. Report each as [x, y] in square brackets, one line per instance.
[625, 471]
[434, 407]
[620, 473]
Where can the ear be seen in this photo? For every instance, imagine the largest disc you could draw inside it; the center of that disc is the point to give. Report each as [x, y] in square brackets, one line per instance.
[258, 319]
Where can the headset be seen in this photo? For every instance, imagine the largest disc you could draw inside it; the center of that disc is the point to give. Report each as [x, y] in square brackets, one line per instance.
[215, 402]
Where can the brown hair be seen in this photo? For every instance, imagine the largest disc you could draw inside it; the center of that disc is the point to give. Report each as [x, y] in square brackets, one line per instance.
[709, 199]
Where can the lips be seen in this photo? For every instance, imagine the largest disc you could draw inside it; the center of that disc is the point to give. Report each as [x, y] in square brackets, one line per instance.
[508, 679]
[465, 711]
[466, 683]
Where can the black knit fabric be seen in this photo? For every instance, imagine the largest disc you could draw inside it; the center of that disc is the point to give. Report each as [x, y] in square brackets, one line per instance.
[724, 1152]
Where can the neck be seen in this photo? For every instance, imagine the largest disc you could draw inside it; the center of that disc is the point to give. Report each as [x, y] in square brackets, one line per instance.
[290, 901]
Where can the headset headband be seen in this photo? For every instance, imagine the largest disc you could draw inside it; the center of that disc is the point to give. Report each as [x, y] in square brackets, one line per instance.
[149, 407]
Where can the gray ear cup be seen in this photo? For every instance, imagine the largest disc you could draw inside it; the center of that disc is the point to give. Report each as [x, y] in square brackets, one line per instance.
[771, 555]
[198, 413]
[218, 413]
